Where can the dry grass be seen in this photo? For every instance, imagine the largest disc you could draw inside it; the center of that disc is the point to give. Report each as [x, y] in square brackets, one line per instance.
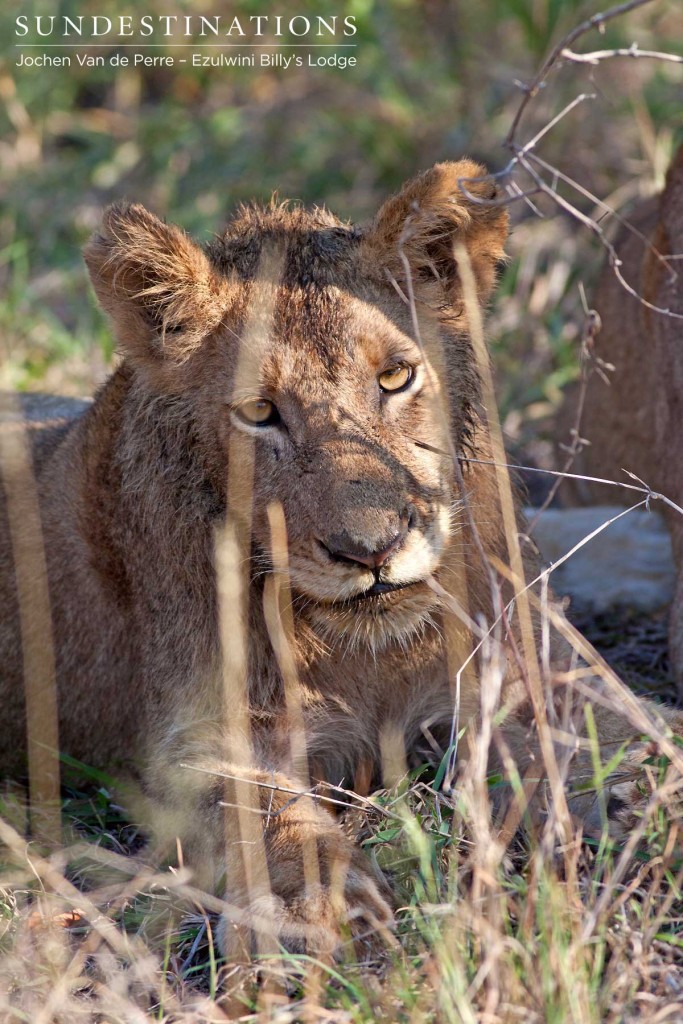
[531, 932]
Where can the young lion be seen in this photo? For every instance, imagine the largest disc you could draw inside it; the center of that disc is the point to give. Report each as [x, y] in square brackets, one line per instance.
[272, 461]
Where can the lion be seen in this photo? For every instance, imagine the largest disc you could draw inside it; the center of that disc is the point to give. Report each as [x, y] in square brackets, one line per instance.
[634, 417]
[250, 531]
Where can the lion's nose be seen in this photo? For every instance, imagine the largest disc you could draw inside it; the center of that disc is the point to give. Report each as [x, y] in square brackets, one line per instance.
[342, 548]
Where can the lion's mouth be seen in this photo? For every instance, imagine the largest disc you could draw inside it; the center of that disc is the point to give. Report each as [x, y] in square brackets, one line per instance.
[379, 589]
[377, 615]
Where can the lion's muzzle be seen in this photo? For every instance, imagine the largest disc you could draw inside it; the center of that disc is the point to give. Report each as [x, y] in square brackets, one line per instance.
[369, 553]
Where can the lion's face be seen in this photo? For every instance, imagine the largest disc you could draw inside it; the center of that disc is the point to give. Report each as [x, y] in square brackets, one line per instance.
[319, 385]
[339, 416]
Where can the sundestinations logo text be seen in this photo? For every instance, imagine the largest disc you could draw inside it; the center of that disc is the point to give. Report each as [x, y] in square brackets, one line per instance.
[82, 28]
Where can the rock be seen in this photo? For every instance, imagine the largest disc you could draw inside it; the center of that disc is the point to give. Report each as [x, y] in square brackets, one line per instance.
[628, 565]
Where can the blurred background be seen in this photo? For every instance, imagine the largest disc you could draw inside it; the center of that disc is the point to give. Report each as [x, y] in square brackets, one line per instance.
[435, 79]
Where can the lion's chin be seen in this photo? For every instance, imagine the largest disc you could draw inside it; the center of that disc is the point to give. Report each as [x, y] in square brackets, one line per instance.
[377, 620]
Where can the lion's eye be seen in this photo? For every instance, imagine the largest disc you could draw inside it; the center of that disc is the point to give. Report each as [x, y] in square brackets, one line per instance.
[396, 378]
[258, 413]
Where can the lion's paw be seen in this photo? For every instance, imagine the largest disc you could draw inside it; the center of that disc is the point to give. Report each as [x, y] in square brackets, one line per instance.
[325, 920]
[628, 795]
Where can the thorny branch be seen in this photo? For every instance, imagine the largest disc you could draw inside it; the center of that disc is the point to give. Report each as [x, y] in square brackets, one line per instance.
[525, 157]
[597, 230]
[596, 21]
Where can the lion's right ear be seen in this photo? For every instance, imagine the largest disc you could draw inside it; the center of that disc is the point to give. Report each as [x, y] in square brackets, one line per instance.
[158, 287]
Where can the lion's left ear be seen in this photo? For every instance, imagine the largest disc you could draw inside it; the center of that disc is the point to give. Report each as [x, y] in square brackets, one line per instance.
[421, 223]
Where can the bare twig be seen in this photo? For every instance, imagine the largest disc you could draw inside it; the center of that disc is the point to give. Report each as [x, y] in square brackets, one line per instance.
[592, 225]
[525, 157]
[608, 210]
[596, 21]
[631, 51]
[650, 495]
[587, 361]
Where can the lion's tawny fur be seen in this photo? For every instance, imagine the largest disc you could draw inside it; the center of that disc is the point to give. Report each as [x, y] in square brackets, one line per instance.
[635, 421]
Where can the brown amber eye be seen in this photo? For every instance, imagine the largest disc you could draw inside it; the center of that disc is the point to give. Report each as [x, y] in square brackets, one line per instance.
[259, 412]
[396, 378]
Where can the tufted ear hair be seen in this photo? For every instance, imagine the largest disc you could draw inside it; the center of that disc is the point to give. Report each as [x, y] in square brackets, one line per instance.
[431, 212]
[157, 286]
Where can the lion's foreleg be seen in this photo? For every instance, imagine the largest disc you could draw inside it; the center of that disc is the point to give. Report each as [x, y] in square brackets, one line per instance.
[272, 850]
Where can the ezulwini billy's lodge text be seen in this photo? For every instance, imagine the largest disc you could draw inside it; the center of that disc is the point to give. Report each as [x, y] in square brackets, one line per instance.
[221, 60]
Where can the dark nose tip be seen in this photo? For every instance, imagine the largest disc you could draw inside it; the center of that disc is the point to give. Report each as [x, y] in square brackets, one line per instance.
[343, 549]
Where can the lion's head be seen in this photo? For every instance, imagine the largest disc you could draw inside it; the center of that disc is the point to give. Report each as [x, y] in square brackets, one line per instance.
[329, 369]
